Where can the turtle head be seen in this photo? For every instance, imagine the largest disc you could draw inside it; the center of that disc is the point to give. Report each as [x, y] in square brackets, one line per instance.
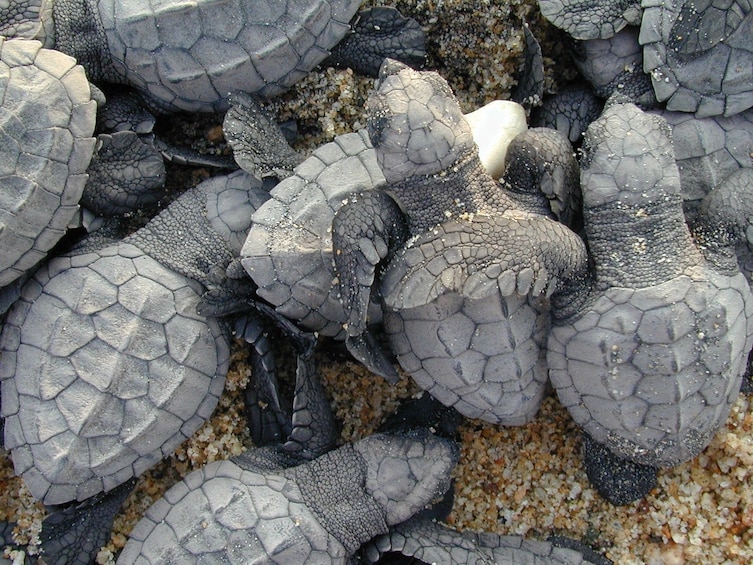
[628, 158]
[415, 123]
[406, 471]
[27, 19]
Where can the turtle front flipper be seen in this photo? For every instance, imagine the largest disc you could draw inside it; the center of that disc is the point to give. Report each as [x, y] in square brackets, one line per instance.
[377, 33]
[467, 315]
[259, 146]
[428, 541]
[481, 256]
[125, 174]
[365, 232]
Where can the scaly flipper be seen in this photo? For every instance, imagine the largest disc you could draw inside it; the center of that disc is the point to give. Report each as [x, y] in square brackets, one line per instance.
[365, 232]
[482, 255]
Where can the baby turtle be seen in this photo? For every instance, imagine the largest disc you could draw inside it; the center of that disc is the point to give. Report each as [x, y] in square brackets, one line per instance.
[288, 252]
[697, 55]
[464, 302]
[649, 355]
[191, 55]
[295, 503]
[107, 366]
[428, 541]
[47, 143]
[51, 160]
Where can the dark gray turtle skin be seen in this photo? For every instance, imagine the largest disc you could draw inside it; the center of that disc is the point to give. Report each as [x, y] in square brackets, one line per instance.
[427, 541]
[107, 366]
[47, 143]
[699, 56]
[288, 252]
[464, 304]
[591, 19]
[570, 111]
[649, 356]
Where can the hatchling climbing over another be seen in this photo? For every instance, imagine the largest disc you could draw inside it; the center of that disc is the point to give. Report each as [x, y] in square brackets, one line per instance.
[463, 267]
[648, 355]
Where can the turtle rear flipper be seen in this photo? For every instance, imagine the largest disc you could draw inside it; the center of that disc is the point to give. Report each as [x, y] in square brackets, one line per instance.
[74, 535]
[378, 33]
[125, 174]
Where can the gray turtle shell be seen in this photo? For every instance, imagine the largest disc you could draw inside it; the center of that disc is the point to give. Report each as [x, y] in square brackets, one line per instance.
[47, 120]
[190, 56]
[288, 252]
[708, 150]
[699, 58]
[106, 369]
[652, 359]
[485, 357]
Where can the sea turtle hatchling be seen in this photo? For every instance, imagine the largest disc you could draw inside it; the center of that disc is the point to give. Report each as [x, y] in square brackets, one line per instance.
[47, 120]
[697, 54]
[299, 502]
[649, 355]
[441, 244]
[191, 55]
[288, 252]
[106, 364]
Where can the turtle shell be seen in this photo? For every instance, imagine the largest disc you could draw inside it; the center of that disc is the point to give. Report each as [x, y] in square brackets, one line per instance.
[699, 55]
[191, 55]
[652, 372]
[288, 251]
[484, 357]
[47, 118]
[708, 150]
[106, 369]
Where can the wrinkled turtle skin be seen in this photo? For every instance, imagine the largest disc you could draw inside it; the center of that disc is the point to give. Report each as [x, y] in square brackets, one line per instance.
[464, 302]
[107, 366]
[648, 357]
[249, 510]
[47, 121]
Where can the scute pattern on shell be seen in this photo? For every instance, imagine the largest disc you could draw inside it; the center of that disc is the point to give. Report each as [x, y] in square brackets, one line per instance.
[106, 369]
[288, 252]
[488, 351]
[46, 124]
[653, 371]
[699, 57]
[222, 510]
[191, 56]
